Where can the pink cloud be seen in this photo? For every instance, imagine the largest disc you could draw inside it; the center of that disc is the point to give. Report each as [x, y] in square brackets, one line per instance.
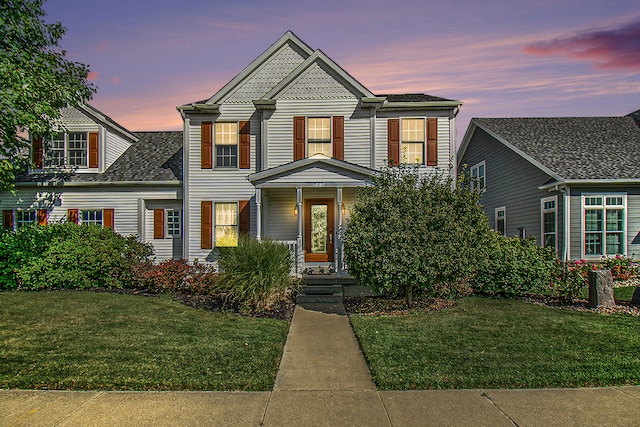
[614, 48]
[115, 80]
[102, 47]
[92, 76]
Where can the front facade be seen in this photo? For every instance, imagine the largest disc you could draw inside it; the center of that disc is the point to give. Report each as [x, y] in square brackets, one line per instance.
[573, 183]
[279, 152]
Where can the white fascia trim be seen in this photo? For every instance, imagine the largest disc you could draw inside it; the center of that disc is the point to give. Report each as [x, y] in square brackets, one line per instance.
[102, 184]
[584, 182]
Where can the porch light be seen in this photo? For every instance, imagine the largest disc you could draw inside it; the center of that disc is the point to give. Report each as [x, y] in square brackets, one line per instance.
[344, 210]
[295, 210]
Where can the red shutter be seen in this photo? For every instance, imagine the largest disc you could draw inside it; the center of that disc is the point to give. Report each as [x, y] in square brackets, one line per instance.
[298, 138]
[206, 225]
[158, 223]
[393, 138]
[338, 137]
[7, 219]
[42, 216]
[206, 138]
[38, 154]
[245, 145]
[93, 150]
[432, 142]
[245, 216]
[72, 215]
[107, 218]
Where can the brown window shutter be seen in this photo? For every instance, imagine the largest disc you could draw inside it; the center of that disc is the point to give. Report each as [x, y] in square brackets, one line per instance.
[7, 219]
[206, 137]
[432, 142]
[206, 227]
[338, 137]
[38, 154]
[245, 216]
[107, 218]
[72, 215]
[158, 223]
[393, 138]
[42, 216]
[93, 150]
[245, 145]
[298, 138]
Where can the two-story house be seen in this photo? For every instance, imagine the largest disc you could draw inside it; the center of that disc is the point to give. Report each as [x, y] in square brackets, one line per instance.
[279, 151]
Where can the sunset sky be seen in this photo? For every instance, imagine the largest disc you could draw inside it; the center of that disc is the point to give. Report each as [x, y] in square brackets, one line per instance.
[501, 58]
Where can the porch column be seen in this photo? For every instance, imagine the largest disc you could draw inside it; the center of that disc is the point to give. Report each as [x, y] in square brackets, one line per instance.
[258, 214]
[299, 207]
[338, 249]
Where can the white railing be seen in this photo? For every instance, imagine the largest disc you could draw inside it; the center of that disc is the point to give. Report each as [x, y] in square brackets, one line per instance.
[293, 250]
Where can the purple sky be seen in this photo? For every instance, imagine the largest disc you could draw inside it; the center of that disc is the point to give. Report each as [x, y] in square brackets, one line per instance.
[501, 58]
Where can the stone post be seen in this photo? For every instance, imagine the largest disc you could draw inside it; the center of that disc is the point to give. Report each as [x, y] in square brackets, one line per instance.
[601, 288]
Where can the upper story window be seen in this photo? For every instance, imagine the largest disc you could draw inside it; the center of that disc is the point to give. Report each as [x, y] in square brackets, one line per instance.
[604, 224]
[69, 149]
[226, 140]
[413, 141]
[319, 136]
[478, 180]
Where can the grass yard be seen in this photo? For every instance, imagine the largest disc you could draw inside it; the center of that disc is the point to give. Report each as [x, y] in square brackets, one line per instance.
[103, 341]
[487, 343]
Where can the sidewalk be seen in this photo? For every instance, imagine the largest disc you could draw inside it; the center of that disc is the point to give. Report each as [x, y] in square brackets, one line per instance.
[324, 381]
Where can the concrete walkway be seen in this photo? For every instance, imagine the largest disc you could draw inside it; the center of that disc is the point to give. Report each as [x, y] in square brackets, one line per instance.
[324, 381]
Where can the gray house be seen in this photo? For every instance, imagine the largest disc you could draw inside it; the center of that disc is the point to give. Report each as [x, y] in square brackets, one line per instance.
[573, 183]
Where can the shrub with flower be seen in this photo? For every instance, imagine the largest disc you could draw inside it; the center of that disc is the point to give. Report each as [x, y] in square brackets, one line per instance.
[622, 267]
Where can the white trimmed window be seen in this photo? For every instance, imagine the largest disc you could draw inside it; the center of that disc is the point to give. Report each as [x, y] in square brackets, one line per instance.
[174, 225]
[501, 221]
[412, 141]
[319, 136]
[23, 218]
[92, 217]
[604, 224]
[478, 180]
[549, 221]
[226, 224]
[67, 149]
[226, 140]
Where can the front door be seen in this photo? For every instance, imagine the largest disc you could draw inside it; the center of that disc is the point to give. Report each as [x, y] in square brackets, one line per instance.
[318, 230]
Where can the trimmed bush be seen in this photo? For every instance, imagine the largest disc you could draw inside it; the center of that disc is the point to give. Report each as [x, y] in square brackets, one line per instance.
[254, 273]
[173, 276]
[88, 256]
[516, 267]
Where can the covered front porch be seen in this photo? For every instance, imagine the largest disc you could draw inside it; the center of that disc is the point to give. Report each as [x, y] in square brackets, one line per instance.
[306, 204]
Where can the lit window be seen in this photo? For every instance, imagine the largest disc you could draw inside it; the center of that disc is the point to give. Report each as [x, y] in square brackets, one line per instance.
[604, 225]
[549, 221]
[413, 141]
[92, 217]
[173, 223]
[226, 145]
[478, 181]
[25, 218]
[319, 136]
[501, 221]
[226, 233]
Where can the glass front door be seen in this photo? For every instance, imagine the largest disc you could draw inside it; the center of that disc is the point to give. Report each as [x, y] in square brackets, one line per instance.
[319, 230]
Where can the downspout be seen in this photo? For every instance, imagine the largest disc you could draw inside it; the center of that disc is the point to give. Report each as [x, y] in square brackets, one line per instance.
[566, 212]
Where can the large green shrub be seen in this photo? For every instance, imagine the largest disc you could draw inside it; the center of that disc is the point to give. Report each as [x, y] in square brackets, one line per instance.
[515, 267]
[255, 272]
[84, 257]
[410, 232]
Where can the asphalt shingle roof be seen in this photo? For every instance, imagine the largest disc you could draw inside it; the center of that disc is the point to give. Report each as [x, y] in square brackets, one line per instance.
[413, 97]
[157, 156]
[575, 147]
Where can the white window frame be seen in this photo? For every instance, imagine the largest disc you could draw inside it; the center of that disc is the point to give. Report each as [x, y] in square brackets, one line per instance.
[403, 155]
[90, 217]
[216, 224]
[20, 220]
[217, 144]
[546, 210]
[474, 176]
[502, 209]
[173, 228]
[310, 141]
[64, 137]
[604, 206]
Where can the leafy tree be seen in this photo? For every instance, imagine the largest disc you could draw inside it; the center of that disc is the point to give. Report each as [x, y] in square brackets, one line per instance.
[409, 231]
[36, 81]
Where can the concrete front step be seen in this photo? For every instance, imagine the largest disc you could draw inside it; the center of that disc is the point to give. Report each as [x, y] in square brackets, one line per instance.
[307, 299]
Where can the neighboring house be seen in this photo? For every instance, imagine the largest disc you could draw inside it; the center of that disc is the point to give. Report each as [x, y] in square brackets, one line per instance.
[571, 182]
[280, 152]
[97, 172]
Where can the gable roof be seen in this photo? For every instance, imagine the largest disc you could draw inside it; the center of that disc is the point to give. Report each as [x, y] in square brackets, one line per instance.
[155, 159]
[106, 121]
[569, 148]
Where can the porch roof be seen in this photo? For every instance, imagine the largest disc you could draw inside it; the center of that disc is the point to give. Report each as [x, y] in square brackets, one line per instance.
[315, 171]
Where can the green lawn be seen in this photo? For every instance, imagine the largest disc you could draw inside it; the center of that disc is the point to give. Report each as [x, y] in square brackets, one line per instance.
[487, 343]
[622, 294]
[103, 341]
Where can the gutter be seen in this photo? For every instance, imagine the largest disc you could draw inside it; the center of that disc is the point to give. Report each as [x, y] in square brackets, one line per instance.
[567, 182]
[434, 105]
[101, 184]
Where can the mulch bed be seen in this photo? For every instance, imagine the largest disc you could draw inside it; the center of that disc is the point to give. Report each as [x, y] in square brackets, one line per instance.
[385, 305]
